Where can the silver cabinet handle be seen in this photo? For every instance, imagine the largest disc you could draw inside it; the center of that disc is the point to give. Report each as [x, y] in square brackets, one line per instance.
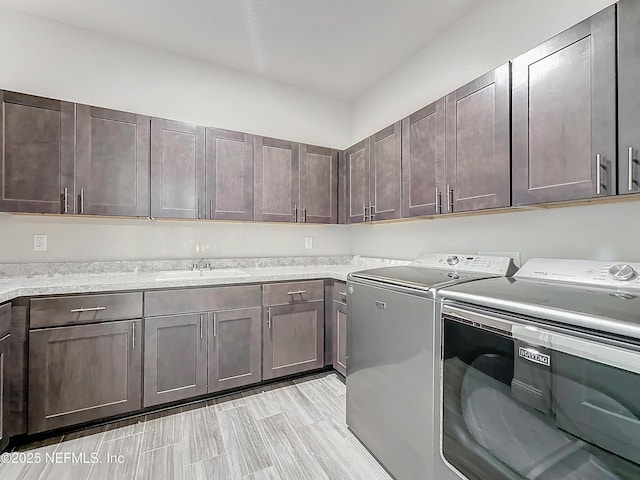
[133, 336]
[91, 309]
[344, 294]
[198, 214]
[211, 208]
[598, 174]
[630, 168]
[65, 194]
[297, 292]
[449, 199]
[438, 206]
[214, 325]
[364, 212]
[201, 322]
[82, 200]
[304, 214]
[269, 318]
[295, 212]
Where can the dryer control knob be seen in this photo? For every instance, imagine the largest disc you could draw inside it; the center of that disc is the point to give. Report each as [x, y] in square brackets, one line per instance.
[452, 260]
[622, 272]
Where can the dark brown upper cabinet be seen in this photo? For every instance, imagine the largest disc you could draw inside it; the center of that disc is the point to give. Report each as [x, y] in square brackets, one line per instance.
[277, 186]
[229, 175]
[357, 182]
[374, 181]
[177, 170]
[37, 146]
[112, 162]
[423, 161]
[295, 183]
[318, 185]
[628, 96]
[385, 179]
[564, 115]
[477, 145]
[342, 187]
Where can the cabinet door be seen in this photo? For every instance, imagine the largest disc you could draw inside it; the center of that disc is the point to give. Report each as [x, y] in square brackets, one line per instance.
[175, 358]
[628, 98]
[342, 188]
[385, 174]
[357, 164]
[37, 146]
[235, 348]
[229, 172]
[423, 161]
[4, 391]
[83, 373]
[478, 152]
[564, 115]
[318, 184]
[177, 170]
[340, 338]
[112, 162]
[277, 180]
[293, 339]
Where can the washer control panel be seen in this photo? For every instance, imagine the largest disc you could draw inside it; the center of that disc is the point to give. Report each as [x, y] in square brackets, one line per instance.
[606, 274]
[499, 266]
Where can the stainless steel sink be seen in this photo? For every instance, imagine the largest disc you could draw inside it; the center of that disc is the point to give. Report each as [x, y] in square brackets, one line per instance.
[191, 274]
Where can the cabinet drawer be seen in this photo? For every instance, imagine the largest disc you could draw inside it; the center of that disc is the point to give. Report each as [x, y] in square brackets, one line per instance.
[193, 300]
[293, 292]
[78, 309]
[5, 319]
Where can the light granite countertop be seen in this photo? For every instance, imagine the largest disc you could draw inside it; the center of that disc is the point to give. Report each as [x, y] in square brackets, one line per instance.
[24, 286]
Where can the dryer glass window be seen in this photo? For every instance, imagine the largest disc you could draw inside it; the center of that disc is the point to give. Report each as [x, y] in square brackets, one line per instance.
[533, 403]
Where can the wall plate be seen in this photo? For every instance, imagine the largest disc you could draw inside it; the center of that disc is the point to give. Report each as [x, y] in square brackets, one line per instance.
[39, 243]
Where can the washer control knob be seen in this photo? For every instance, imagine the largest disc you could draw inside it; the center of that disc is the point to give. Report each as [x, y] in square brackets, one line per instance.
[452, 260]
[622, 272]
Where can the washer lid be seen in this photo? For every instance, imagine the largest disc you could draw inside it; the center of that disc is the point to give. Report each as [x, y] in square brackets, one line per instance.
[609, 310]
[414, 277]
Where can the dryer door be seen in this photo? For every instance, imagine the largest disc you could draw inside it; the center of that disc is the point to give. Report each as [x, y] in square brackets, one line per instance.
[526, 401]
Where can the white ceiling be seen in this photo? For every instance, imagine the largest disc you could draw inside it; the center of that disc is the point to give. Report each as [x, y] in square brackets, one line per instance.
[339, 48]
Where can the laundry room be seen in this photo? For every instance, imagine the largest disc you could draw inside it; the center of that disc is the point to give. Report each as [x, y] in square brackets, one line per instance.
[248, 239]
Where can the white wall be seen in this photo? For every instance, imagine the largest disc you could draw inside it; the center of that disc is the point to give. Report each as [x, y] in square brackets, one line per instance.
[493, 33]
[603, 232]
[87, 239]
[51, 59]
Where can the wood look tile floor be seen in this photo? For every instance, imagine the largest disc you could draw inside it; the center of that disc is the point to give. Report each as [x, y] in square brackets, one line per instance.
[286, 431]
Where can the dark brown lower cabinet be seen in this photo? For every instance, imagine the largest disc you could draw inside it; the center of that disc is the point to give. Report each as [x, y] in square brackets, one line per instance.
[235, 348]
[83, 373]
[175, 358]
[4, 391]
[293, 340]
[340, 337]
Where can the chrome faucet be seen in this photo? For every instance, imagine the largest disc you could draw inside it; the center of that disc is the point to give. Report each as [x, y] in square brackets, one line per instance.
[200, 265]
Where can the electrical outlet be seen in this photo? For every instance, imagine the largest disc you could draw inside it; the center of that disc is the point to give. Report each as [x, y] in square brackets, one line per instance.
[39, 243]
[308, 243]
